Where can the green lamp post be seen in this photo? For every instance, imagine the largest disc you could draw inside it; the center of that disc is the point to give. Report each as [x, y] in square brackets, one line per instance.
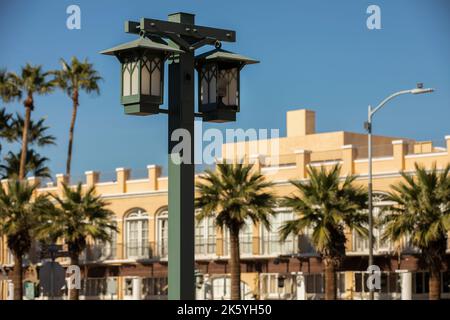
[142, 65]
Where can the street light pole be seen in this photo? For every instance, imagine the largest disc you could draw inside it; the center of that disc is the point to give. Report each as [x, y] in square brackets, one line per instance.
[181, 175]
[369, 155]
[368, 126]
[142, 82]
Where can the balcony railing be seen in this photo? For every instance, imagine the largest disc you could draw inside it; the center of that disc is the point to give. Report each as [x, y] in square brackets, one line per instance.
[135, 251]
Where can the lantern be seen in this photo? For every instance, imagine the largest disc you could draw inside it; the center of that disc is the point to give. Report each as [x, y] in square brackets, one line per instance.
[218, 84]
[142, 66]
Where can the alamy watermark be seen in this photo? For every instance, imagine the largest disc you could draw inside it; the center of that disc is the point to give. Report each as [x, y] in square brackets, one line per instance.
[73, 21]
[373, 22]
[374, 279]
[234, 145]
[73, 277]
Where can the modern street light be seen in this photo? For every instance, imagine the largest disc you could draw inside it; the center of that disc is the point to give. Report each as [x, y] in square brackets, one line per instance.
[142, 75]
[368, 126]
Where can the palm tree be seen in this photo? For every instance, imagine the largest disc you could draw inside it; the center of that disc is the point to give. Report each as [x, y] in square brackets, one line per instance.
[37, 135]
[31, 81]
[5, 125]
[421, 213]
[36, 165]
[8, 91]
[233, 194]
[37, 132]
[20, 214]
[80, 215]
[74, 77]
[327, 206]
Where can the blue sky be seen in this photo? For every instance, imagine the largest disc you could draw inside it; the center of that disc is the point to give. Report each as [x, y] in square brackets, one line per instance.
[314, 54]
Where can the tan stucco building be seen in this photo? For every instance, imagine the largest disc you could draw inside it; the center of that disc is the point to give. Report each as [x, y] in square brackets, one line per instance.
[136, 260]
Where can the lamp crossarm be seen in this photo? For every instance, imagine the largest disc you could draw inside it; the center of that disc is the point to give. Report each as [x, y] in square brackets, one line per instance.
[165, 28]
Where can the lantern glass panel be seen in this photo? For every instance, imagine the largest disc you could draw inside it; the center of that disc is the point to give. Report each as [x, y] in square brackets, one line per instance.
[151, 82]
[228, 87]
[204, 88]
[134, 79]
[145, 77]
[208, 84]
[156, 77]
[126, 79]
[212, 84]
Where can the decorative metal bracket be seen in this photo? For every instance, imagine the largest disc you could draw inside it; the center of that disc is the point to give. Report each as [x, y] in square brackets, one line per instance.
[174, 31]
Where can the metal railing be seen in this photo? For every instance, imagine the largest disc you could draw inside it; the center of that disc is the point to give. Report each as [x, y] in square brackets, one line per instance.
[135, 251]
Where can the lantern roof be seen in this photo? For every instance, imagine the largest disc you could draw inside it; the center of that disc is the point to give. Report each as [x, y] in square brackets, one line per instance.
[144, 43]
[224, 55]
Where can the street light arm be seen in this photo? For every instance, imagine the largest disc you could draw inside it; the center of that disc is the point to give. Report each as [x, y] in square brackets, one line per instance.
[383, 103]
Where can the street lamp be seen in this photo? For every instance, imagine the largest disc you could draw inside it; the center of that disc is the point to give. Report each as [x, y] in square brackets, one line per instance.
[218, 84]
[142, 94]
[368, 126]
[142, 73]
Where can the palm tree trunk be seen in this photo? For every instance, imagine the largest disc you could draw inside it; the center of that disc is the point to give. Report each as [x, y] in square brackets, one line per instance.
[74, 294]
[435, 285]
[17, 277]
[235, 265]
[71, 130]
[330, 280]
[23, 155]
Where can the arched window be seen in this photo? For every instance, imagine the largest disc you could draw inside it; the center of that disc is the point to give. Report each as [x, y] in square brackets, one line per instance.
[271, 244]
[136, 231]
[106, 250]
[205, 236]
[245, 239]
[361, 243]
[162, 227]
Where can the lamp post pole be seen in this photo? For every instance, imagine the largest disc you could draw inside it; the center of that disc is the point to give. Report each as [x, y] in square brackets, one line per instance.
[185, 36]
[369, 155]
[181, 175]
[368, 126]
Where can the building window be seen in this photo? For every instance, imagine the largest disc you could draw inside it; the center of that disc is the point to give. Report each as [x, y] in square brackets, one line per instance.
[221, 289]
[421, 282]
[136, 230]
[361, 243]
[389, 282]
[93, 287]
[314, 283]
[271, 244]
[245, 239]
[110, 249]
[277, 286]
[205, 236]
[162, 223]
[128, 288]
[103, 250]
[154, 288]
[305, 244]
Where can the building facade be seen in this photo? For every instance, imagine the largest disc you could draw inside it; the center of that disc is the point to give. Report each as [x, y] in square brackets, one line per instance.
[135, 262]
